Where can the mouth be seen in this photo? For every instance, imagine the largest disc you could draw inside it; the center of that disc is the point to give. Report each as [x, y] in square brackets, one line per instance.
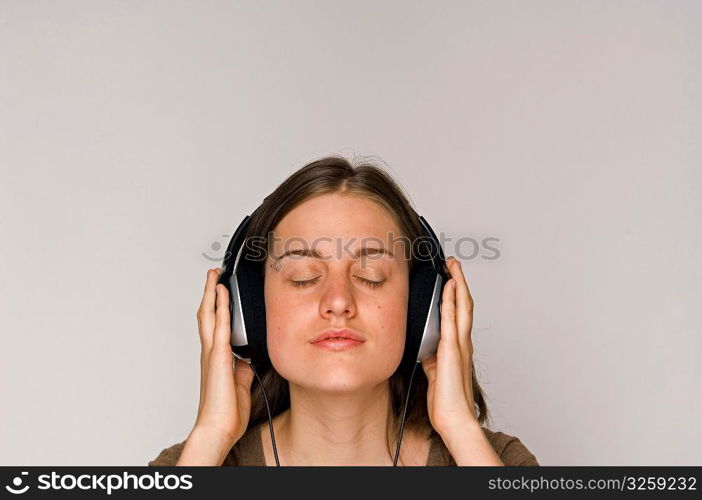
[343, 335]
[337, 344]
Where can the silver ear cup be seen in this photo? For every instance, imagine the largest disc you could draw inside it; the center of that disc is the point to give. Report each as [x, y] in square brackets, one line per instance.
[239, 337]
[238, 327]
[432, 328]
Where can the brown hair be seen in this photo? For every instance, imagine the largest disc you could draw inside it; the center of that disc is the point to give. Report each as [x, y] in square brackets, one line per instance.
[335, 174]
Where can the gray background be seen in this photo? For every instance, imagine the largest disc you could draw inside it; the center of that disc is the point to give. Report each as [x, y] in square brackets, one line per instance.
[134, 135]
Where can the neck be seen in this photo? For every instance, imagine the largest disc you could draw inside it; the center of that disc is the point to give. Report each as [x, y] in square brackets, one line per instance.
[325, 428]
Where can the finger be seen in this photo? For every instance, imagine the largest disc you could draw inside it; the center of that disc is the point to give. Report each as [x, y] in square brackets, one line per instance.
[448, 312]
[206, 325]
[206, 312]
[208, 295]
[464, 307]
[464, 322]
[220, 365]
[448, 353]
[222, 333]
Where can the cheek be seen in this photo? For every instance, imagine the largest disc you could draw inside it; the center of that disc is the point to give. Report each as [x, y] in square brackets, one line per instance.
[391, 318]
[276, 316]
[282, 318]
[281, 347]
[281, 323]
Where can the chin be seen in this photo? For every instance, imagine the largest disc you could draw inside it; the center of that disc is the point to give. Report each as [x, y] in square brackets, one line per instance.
[331, 379]
[337, 386]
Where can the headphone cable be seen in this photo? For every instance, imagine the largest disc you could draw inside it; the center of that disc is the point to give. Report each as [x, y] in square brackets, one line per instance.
[404, 413]
[270, 418]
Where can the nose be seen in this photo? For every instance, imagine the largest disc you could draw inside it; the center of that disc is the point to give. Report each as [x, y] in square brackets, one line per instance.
[338, 297]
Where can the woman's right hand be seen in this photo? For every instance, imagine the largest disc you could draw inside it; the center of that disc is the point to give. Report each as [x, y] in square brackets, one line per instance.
[225, 388]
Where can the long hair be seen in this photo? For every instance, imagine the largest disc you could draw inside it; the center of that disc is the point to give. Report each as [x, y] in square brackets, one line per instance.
[335, 174]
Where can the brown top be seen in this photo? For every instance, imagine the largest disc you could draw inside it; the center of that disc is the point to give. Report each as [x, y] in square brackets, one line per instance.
[248, 451]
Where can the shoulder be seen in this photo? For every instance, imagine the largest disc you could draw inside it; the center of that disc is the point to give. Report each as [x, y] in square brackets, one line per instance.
[248, 450]
[168, 456]
[510, 448]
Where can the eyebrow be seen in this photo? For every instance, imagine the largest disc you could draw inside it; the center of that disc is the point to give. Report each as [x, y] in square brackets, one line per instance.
[312, 252]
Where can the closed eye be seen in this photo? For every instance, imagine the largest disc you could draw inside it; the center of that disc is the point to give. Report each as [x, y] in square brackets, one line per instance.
[306, 283]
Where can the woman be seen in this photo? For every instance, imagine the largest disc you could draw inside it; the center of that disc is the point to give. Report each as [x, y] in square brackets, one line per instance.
[340, 407]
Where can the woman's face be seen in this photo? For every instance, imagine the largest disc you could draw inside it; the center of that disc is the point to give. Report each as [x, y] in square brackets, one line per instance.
[336, 226]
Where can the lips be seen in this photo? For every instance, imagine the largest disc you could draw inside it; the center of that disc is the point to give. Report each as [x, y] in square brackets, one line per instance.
[344, 333]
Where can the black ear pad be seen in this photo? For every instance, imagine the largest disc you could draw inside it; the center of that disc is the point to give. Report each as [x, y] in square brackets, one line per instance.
[421, 287]
[250, 277]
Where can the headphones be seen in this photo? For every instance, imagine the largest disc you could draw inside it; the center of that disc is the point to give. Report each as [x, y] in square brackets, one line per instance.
[242, 275]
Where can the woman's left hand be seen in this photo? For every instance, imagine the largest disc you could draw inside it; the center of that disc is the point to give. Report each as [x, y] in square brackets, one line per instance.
[450, 395]
[450, 400]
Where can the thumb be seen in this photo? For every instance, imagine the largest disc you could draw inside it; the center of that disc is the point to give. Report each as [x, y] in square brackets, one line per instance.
[243, 374]
[429, 367]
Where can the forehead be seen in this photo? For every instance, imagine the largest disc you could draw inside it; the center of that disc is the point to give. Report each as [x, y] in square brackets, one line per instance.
[329, 221]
